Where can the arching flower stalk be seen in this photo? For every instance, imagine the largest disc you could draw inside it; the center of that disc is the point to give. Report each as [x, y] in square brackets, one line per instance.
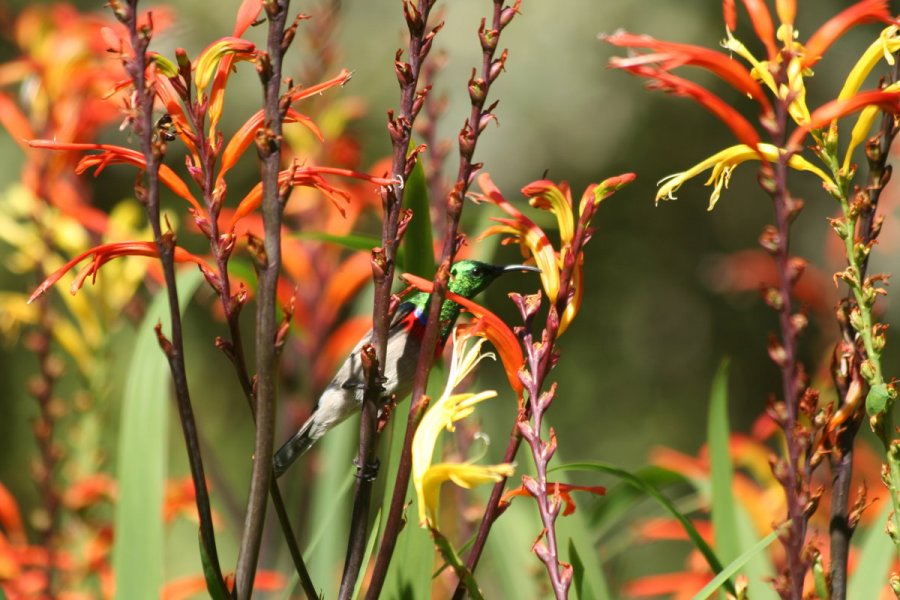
[777, 84]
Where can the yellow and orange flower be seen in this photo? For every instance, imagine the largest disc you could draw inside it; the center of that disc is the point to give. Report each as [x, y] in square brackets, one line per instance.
[781, 46]
[534, 243]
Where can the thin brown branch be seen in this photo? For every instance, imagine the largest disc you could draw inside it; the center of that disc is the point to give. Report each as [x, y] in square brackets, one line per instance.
[173, 347]
[269, 141]
[383, 264]
[479, 117]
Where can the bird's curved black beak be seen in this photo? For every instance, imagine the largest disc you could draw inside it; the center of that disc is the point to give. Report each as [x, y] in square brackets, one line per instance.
[509, 268]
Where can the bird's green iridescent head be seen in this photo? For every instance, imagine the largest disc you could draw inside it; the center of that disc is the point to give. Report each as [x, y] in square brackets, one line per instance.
[470, 277]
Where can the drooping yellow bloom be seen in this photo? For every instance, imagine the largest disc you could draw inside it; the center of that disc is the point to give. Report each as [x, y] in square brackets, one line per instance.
[723, 164]
[443, 414]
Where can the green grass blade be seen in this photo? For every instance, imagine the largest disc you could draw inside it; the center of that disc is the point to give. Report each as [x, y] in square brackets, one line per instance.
[418, 244]
[214, 585]
[142, 455]
[712, 560]
[581, 550]
[353, 241]
[623, 497]
[724, 517]
[876, 553]
[577, 571]
[722, 577]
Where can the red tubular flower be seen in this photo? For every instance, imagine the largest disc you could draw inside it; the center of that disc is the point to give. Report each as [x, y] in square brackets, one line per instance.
[562, 490]
[245, 136]
[104, 253]
[246, 15]
[671, 55]
[761, 19]
[742, 129]
[306, 177]
[112, 154]
[830, 111]
[861, 12]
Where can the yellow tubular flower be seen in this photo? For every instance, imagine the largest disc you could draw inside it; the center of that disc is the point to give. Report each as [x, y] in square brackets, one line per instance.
[863, 126]
[723, 163]
[760, 68]
[798, 109]
[465, 475]
[885, 46]
[558, 200]
[535, 242]
[448, 409]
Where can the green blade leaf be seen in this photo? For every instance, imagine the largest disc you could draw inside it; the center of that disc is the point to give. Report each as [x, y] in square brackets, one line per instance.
[876, 554]
[622, 497]
[596, 467]
[213, 582]
[418, 244]
[577, 571]
[722, 577]
[353, 241]
[724, 517]
[142, 455]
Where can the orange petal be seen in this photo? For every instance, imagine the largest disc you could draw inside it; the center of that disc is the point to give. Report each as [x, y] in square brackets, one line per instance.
[742, 129]
[104, 253]
[246, 15]
[672, 55]
[761, 19]
[111, 154]
[488, 325]
[14, 121]
[831, 111]
[861, 12]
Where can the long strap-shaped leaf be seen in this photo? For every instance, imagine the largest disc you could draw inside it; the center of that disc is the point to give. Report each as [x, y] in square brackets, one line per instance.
[632, 479]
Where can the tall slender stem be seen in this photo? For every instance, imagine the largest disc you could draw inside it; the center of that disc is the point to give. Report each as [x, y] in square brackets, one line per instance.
[841, 523]
[269, 143]
[165, 242]
[479, 87]
[383, 264]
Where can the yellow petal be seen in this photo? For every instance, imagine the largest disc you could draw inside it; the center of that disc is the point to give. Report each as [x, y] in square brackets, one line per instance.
[884, 47]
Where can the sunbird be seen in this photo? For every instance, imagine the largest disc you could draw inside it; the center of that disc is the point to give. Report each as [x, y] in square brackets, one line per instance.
[344, 395]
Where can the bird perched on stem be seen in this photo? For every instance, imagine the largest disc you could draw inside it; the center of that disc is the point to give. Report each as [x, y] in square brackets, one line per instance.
[344, 395]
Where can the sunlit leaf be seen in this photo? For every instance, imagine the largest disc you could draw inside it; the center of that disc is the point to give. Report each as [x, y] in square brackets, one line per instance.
[418, 246]
[722, 577]
[143, 454]
[632, 479]
[724, 519]
[876, 554]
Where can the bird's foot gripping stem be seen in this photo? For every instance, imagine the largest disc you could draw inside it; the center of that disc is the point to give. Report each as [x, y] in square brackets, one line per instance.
[369, 471]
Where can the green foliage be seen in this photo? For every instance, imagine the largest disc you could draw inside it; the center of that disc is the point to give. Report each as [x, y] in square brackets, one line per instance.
[143, 454]
[632, 479]
[732, 568]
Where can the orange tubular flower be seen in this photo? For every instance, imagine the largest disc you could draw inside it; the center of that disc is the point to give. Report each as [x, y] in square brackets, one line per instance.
[104, 253]
[487, 325]
[861, 12]
[112, 154]
[660, 79]
[672, 55]
[306, 177]
[531, 238]
[831, 111]
[761, 19]
[562, 490]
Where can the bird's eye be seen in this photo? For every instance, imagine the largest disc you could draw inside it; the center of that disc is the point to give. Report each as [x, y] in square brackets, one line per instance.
[477, 272]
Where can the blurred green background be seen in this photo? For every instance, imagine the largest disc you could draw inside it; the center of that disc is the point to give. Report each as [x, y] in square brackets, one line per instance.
[636, 368]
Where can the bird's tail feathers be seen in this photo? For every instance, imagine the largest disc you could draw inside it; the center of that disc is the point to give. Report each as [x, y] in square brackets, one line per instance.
[293, 449]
